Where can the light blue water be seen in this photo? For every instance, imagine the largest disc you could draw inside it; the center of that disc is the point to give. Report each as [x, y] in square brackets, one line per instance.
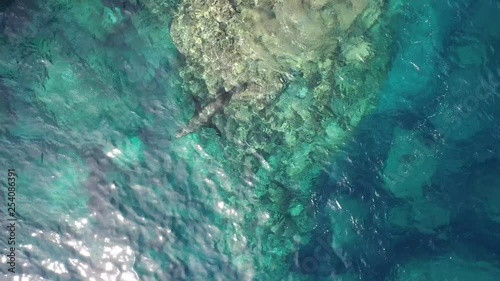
[91, 97]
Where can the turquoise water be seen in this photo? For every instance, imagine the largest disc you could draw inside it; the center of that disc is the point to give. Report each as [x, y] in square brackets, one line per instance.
[91, 95]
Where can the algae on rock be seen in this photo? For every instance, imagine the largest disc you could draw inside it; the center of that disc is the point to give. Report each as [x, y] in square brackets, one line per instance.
[264, 43]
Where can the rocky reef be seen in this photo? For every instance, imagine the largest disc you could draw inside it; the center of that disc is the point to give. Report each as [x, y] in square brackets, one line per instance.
[320, 50]
[266, 42]
[312, 75]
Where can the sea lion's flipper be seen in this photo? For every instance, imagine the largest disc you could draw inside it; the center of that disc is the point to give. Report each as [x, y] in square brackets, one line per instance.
[197, 104]
[217, 130]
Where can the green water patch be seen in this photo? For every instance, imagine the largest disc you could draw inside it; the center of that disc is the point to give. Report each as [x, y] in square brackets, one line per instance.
[57, 184]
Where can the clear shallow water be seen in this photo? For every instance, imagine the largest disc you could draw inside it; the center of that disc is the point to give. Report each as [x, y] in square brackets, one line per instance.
[89, 105]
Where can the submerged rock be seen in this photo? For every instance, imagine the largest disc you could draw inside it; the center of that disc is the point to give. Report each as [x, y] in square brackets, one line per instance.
[447, 267]
[410, 165]
[423, 215]
[231, 42]
[485, 194]
[311, 76]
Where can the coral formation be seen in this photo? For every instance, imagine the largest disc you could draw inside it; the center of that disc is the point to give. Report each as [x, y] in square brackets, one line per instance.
[263, 42]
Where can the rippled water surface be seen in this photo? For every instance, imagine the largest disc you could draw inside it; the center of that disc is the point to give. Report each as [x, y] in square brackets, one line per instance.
[91, 98]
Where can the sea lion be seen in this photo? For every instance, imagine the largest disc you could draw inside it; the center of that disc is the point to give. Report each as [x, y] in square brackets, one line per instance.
[203, 116]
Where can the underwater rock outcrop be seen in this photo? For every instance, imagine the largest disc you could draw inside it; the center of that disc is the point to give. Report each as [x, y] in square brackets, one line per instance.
[230, 42]
[311, 74]
[410, 165]
[309, 66]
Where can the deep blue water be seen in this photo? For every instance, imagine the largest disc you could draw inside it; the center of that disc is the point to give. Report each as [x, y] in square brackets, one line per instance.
[413, 194]
[425, 84]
